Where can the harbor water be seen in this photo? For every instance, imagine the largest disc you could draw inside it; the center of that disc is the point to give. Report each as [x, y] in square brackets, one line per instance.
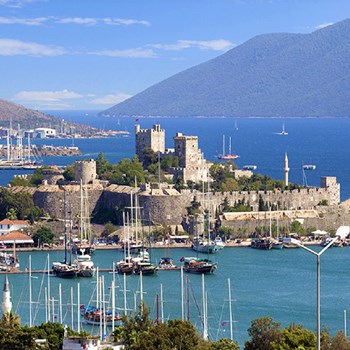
[276, 283]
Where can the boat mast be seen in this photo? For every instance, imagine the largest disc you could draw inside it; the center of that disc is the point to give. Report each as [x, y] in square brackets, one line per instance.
[205, 326]
[223, 145]
[30, 291]
[230, 146]
[230, 306]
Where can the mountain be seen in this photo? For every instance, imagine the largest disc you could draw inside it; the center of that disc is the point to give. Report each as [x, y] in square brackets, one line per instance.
[30, 119]
[270, 75]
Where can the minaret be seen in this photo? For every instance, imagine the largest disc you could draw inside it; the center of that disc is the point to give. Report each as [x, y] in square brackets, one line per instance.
[6, 297]
[286, 170]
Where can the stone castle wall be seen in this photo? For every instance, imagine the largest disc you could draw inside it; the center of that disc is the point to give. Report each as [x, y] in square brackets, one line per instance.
[169, 206]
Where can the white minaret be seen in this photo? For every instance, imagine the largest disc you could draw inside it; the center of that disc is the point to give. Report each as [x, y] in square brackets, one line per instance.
[286, 170]
[6, 297]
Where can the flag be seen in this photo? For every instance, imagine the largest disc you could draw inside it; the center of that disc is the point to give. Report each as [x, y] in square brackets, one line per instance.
[223, 323]
[182, 259]
[137, 119]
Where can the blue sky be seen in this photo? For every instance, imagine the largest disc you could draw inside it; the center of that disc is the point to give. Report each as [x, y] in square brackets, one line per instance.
[92, 54]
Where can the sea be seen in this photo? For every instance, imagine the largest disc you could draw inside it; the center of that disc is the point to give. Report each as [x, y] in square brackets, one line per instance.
[277, 283]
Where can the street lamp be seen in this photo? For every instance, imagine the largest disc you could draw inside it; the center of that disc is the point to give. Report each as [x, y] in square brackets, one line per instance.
[341, 233]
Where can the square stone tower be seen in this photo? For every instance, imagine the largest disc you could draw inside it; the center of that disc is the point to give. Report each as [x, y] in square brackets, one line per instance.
[190, 157]
[149, 138]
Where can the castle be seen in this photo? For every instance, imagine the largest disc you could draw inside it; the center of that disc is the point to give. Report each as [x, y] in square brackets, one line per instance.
[192, 165]
[165, 205]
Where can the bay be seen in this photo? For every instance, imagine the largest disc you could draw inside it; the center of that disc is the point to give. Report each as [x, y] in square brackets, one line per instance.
[276, 283]
[323, 142]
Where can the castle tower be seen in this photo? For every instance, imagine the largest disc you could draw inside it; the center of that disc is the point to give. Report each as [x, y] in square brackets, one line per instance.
[149, 138]
[6, 297]
[85, 171]
[190, 157]
[286, 170]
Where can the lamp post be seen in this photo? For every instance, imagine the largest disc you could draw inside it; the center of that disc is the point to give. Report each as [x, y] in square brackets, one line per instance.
[339, 234]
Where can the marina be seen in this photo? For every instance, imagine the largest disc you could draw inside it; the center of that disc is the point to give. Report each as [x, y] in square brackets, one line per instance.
[285, 289]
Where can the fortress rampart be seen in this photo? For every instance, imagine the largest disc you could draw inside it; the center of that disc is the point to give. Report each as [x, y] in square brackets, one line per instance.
[168, 206]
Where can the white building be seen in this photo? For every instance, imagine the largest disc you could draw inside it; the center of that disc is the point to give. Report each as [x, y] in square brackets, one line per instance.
[43, 133]
[7, 225]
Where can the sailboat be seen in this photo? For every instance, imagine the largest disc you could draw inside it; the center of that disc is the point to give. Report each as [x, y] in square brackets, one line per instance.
[125, 266]
[83, 249]
[64, 269]
[283, 132]
[229, 155]
[205, 244]
[18, 157]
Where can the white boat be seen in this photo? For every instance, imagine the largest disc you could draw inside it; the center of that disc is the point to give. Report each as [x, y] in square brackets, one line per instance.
[283, 132]
[203, 246]
[83, 251]
[249, 167]
[219, 243]
[309, 167]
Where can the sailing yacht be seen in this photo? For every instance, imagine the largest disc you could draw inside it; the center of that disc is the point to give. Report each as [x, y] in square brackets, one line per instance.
[229, 155]
[83, 249]
[283, 132]
[64, 269]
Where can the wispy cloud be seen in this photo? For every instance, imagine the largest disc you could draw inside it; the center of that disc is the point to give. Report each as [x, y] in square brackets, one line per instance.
[85, 21]
[10, 47]
[17, 3]
[129, 53]
[124, 22]
[216, 45]
[111, 99]
[47, 96]
[23, 21]
[324, 25]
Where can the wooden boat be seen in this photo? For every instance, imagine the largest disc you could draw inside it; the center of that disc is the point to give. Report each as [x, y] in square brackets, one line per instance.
[61, 269]
[95, 316]
[198, 265]
[125, 266]
[146, 268]
[262, 243]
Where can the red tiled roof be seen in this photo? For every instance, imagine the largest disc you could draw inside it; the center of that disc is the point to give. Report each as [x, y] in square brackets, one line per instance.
[13, 222]
[16, 236]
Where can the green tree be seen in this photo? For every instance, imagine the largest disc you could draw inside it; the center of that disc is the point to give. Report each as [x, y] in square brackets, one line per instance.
[69, 172]
[295, 337]
[11, 214]
[149, 157]
[20, 181]
[108, 229]
[224, 344]
[43, 235]
[264, 334]
[169, 162]
[194, 207]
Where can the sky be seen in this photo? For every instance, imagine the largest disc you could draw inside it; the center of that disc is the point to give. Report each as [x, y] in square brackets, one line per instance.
[93, 54]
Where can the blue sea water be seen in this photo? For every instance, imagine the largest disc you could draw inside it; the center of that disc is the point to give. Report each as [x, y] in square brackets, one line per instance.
[276, 283]
[281, 284]
[323, 142]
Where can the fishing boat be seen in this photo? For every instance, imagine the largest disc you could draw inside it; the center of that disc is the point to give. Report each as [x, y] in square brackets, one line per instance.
[229, 155]
[198, 265]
